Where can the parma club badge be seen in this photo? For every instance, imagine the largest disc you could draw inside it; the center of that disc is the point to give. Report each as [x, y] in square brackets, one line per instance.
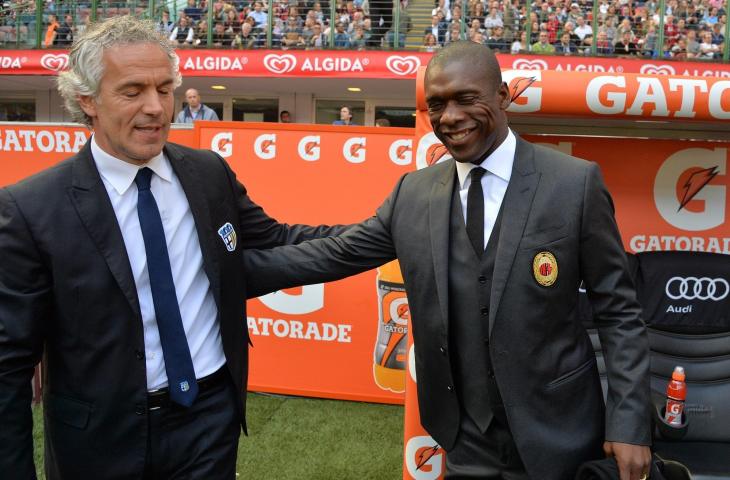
[228, 235]
[545, 268]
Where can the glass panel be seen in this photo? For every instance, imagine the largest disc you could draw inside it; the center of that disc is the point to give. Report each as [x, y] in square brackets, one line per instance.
[328, 111]
[17, 110]
[255, 109]
[395, 116]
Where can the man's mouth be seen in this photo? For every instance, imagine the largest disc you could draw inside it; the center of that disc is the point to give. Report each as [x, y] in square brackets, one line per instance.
[458, 135]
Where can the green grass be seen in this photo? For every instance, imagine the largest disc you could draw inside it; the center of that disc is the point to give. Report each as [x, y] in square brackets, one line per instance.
[303, 438]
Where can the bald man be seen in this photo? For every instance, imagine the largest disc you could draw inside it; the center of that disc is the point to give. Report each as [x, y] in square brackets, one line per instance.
[195, 110]
[493, 244]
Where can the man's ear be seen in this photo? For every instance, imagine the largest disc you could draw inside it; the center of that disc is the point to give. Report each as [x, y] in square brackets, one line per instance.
[505, 97]
[88, 105]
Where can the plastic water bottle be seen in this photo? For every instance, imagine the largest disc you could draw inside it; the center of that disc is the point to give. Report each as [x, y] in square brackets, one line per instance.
[676, 393]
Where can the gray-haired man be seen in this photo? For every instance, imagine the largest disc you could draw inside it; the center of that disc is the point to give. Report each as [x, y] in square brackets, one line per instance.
[125, 271]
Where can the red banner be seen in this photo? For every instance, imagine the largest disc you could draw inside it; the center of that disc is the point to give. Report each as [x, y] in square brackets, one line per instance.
[354, 64]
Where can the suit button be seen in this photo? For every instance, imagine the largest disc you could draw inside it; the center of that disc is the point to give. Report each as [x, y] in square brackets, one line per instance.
[486, 341]
[139, 409]
[442, 350]
[490, 373]
[450, 388]
[485, 311]
[482, 279]
[139, 354]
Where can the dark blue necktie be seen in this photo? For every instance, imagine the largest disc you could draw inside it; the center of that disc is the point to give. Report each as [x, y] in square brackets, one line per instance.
[475, 211]
[178, 363]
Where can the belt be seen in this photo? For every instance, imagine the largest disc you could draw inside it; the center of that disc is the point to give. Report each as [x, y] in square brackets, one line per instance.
[157, 399]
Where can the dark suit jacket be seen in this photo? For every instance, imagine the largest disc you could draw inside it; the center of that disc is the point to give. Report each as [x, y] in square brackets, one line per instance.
[441, 32]
[67, 291]
[541, 355]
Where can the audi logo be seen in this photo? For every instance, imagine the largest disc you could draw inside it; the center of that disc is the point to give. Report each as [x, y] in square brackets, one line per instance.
[694, 288]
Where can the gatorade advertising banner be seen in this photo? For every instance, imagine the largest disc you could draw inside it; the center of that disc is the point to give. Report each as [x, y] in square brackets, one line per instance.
[343, 339]
[27, 148]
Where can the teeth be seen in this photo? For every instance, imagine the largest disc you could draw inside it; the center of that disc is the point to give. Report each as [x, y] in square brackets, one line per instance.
[459, 135]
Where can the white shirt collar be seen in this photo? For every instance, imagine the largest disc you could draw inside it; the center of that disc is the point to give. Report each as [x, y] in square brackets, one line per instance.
[498, 163]
[120, 174]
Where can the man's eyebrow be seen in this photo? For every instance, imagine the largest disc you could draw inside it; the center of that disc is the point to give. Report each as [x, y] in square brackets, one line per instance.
[138, 84]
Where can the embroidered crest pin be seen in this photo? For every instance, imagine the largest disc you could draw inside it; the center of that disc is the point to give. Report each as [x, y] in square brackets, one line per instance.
[228, 235]
[545, 268]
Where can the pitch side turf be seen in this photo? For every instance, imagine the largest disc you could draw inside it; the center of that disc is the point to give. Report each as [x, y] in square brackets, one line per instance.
[302, 438]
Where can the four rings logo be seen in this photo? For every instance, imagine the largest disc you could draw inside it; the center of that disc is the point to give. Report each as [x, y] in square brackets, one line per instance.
[524, 64]
[53, 62]
[280, 63]
[697, 288]
[649, 69]
[403, 65]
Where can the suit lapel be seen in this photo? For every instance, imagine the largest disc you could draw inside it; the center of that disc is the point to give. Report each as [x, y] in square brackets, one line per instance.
[190, 180]
[439, 209]
[91, 200]
[516, 208]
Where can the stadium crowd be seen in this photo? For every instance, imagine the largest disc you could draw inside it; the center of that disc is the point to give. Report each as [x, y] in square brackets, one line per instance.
[692, 29]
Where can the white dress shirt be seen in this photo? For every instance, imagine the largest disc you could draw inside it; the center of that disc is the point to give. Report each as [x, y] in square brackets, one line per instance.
[494, 182]
[197, 306]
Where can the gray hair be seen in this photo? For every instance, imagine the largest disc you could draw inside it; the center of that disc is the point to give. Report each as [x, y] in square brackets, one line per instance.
[86, 64]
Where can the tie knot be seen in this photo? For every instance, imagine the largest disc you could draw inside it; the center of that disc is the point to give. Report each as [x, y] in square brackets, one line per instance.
[477, 173]
[143, 179]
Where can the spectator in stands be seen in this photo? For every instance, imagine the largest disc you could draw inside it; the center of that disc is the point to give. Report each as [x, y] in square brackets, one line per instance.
[429, 43]
[454, 34]
[248, 37]
[292, 35]
[718, 38]
[436, 28]
[232, 24]
[679, 49]
[195, 110]
[183, 34]
[649, 46]
[316, 40]
[693, 46]
[476, 11]
[201, 34]
[493, 19]
[543, 46]
[603, 45]
[497, 42]
[582, 28]
[358, 38]
[443, 9]
[476, 36]
[521, 45]
[259, 16]
[345, 116]
[626, 46]
[165, 25]
[65, 33]
[609, 28]
[51, 31]
[575, 40]
[285, 116]
[671, 32]
[565, 46]
[708, 50]
[221, 37]
[193, 11]
[552, 26]
[382, 122]
[575, 13]
[341, 39]
[626, 27]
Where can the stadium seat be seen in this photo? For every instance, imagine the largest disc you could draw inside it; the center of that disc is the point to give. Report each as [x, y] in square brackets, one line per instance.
[686, 302]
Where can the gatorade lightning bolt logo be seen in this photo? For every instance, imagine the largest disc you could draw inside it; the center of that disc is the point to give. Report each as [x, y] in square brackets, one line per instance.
[310, 146]
[425, 454]
[265, 145]
[695, 183]
[354, 148]
[435, 152]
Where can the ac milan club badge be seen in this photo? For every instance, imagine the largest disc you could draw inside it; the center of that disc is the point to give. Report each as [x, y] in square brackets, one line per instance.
[545, 268]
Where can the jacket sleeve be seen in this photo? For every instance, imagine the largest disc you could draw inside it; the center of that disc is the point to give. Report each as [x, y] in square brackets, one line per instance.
[360, 248]
[617, 314]
[25, 306]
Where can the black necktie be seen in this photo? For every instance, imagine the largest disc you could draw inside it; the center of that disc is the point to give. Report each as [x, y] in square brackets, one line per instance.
[175, 350]
[475, 211]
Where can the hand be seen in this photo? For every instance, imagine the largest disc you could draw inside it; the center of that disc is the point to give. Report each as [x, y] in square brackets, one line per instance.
[634, 461]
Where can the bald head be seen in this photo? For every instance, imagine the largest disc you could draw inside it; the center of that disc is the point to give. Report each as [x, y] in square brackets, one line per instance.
[192, 97]
[473, 57]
